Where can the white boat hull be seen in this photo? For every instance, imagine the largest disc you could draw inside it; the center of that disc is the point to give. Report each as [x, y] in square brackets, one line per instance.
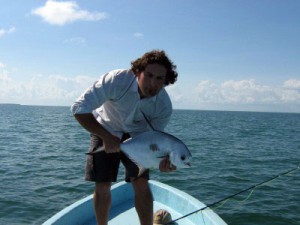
[177, 202]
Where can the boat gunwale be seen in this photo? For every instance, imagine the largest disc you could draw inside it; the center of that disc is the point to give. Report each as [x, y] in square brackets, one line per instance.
[75, 212]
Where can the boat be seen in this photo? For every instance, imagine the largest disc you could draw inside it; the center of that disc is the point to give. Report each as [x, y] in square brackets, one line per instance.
[122, 212]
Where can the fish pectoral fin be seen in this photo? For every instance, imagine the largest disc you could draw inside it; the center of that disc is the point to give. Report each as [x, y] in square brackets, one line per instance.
[100, 149]
[162, 156]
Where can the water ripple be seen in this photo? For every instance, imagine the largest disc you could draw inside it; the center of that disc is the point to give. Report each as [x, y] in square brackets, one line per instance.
[42, 163]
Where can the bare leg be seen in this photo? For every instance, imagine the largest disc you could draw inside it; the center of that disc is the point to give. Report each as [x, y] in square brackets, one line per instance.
[143, 201]
[102, 202]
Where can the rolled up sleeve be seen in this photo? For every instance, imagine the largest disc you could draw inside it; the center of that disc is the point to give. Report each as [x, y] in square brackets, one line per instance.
[91, 99]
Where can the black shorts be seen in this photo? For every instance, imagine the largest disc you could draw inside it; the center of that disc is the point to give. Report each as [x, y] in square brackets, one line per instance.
[103, 167]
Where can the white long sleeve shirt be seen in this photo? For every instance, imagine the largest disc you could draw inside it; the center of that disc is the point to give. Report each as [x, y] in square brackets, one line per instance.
[115, 102]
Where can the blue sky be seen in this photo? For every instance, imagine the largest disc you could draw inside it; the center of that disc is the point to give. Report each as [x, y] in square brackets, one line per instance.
[230, 54]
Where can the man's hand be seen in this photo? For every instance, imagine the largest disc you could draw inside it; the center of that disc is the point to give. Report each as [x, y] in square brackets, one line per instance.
[166, 165]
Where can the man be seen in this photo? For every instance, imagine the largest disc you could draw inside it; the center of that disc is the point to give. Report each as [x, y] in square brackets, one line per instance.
[124, 103]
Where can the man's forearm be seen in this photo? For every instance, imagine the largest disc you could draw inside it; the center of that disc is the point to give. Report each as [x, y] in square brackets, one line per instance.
[89, 122]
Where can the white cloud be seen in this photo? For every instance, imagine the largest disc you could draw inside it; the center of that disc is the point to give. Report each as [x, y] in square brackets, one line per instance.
[249, 92]
[246, 91]
[8, 31]
[292, 84]
[175, 93]
[6, 83]
[56, 88]
[4, 79]
[63, 12]
[138, 35]
[75, 40]
[228, 95]
[42, 90]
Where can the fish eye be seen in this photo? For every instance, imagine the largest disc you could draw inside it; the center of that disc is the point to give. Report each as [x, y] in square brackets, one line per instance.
[182, 158]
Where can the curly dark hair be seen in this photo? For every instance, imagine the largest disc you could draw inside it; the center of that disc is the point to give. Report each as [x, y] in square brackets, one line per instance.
[159, 57]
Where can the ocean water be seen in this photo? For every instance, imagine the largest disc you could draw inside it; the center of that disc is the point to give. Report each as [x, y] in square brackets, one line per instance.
[42, 163]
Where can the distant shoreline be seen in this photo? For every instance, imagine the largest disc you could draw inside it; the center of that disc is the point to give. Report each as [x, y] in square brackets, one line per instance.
[9, 104]
[175, 109]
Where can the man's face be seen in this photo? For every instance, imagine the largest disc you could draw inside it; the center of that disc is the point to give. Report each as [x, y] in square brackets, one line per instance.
[151, 80]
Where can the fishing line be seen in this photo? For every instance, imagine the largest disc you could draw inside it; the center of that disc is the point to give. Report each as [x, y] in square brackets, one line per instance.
[238, 193]
[148, 121]
[225, 201]
[250, 194]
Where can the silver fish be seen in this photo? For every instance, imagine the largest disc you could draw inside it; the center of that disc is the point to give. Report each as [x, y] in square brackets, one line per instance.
[147, 150]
